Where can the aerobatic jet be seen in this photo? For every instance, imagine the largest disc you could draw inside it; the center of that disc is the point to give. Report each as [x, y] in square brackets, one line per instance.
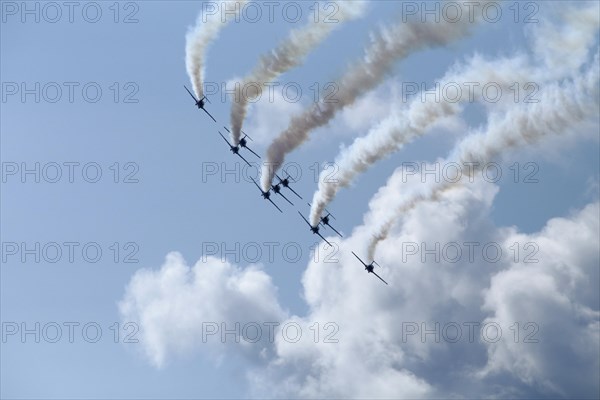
[325, 221]
[200, 103]
[370, 267]
[266, 195]
[286, 184]
[314, 229]
[243, 142]
[277, 190]
[234, 149]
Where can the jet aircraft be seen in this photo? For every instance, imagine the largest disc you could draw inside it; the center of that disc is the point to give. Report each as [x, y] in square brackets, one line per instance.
[266, 195]
[370, 267]
[314, 229]
[234, 149]
[200, 103]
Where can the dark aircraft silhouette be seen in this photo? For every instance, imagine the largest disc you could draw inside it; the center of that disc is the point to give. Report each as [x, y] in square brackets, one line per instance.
[277, 190]
[370, 267]
[314, 229]
[243, 142]
[266, 195]
[286, 184]
[234, 149]
[325, 221]
[200, 103]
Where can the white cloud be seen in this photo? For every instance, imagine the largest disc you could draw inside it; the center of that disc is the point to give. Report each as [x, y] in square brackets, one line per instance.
[175, 305]
[560, 295]
[372, 358]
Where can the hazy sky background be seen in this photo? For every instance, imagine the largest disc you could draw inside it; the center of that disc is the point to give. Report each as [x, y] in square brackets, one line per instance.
[175, 207]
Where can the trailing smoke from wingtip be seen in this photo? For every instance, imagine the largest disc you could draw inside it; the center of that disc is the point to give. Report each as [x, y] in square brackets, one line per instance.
[388, 45]
[287, 55]
[200, 36]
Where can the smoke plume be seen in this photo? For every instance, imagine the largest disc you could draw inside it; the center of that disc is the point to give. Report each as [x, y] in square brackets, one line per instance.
[387, 46]
[408, 123]
[199, 38]
[561, 107]
[287, 55]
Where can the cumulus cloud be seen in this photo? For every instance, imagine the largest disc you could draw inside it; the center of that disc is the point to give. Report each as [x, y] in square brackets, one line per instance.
[366, 345]
[178, 307]
[558, 293]
[377, 357]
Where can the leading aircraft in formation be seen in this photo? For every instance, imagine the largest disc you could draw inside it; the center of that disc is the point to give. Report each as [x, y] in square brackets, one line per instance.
[200, 103]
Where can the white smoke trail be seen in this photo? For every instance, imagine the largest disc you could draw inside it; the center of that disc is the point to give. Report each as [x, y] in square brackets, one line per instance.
[562, 106]
[202, 35]
[287, 55]
[408, 123]
[391, 44]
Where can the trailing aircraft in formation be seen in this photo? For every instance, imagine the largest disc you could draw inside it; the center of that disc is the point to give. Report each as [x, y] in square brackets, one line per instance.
[325, 221]
[286, 184]
[314, 229]
[200, 103]
[243, 142]
[234, 149]
[266, 195]
[277, 190]
[370, 267]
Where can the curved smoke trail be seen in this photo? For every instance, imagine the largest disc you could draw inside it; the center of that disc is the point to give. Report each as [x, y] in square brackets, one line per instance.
[287, 55]
[561, 107]
[390, 44]
[200, 36]
[406, 124]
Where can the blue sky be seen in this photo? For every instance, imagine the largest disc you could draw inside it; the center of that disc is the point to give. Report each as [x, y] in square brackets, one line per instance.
[168, 145]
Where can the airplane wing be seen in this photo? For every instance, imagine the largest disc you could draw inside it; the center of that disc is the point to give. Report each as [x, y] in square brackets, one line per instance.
[275, 205]
[191, 94]
[259, 188]
[225, 139]
[251, 151]
[213, 118]
[335, 230]
[304, 219]
[293, 191]
[245, 134]
[227, 129]
[379, 277]
[363, 263]
[244, 159]
[326, 241]
[286, 199]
